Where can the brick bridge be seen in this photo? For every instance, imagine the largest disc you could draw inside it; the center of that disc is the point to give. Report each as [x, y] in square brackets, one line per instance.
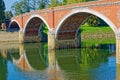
[63, 23]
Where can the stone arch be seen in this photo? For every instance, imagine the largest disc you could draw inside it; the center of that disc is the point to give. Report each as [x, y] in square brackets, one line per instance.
[32, 27]
[14, 24]
[86, 12]
[38, 16]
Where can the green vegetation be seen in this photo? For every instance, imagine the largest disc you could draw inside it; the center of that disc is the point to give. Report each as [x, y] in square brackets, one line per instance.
[8, 14]
[85, 58]
[3, 68]
[24, 6]
[97, 29]
[43, 31]
[2, 11]
[98, 35]
[36, 54]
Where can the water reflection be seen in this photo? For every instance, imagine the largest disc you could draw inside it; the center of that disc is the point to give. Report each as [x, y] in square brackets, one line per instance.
[34, 61]
[3, 68]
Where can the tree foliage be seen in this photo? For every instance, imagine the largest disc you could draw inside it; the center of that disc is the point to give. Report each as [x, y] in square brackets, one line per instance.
[24, 6]
[54, 3]
[2, 11]
[42, 4]
[8, 14]
[20, 7]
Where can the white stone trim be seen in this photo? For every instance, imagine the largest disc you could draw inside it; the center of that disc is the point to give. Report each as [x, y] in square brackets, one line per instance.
[87, 10]
[31, 17]
[14, 20]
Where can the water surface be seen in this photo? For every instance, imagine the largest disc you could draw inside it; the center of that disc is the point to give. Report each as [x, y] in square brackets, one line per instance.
[36, 62]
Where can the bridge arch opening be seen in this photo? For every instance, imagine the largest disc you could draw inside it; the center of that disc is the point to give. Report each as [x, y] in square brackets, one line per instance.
[68, 29]
[36, 30]
[14, 26]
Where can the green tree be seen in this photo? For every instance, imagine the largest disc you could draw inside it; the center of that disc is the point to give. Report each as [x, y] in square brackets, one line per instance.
[71, 1]
[76, 1]
[8, 14]
[2, 11]
[64, 2]
[54, 3]
[21, 7]
[24, 6]
[92, 21]
[42, 4]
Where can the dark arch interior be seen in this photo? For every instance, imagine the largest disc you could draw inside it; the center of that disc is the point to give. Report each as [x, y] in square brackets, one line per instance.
[33, 31]
[14, 27]
[70, 26]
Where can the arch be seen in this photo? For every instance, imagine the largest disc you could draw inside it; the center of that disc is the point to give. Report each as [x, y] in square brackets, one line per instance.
[31, 29]
[12, 21]
[89, 11]
[33, 16]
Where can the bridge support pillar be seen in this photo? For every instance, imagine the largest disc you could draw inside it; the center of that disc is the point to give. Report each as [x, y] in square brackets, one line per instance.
[118, 49]
[117, 72]
[21, 49]
[21, 37]
[51, 39]
[51, 59]
[73, 43]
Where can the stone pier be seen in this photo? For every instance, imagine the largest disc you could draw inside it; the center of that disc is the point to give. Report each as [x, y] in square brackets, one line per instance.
[117, 72]
[51, 39]
[53, 43]
[72, 43]
[21, 37]
[118, 49]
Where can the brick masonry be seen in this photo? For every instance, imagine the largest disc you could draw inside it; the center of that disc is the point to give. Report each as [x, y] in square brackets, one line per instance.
[52, 17]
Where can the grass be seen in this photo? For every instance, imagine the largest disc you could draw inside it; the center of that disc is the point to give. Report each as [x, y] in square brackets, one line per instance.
[99, 41]
[101, 29]
[88, 31]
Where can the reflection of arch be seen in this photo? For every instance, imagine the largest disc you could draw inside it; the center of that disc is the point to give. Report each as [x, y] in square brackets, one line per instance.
[15, 23]
[35, 60]
[88, 12]
[25, 58]
[36, 55]
[23, 63]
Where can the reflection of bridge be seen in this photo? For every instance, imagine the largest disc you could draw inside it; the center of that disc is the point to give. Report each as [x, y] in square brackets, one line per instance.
[72, 60]
[34, 61]
[26, 61]
[63, 22]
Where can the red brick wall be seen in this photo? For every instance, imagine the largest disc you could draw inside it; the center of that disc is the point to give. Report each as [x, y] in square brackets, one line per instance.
[53, 16]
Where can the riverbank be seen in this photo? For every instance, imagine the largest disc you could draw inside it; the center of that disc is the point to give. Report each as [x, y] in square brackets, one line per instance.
[97, 35]
[11, 37]
[87, 34]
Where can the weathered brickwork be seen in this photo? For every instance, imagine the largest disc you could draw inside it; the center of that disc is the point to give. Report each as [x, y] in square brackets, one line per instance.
[71, 25]
[64, 21]
[31, 31]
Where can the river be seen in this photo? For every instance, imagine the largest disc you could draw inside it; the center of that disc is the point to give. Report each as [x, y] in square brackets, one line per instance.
[33, 61]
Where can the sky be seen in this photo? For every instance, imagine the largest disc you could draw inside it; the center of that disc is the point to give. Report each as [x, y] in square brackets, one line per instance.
[9, 3]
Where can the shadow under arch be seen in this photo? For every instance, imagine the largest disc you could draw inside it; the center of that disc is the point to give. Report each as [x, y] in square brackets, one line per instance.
[32, 27]
[14, 26]
[80, 15]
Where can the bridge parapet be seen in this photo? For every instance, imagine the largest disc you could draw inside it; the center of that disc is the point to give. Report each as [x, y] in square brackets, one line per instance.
[84, 4]
[88, 4]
